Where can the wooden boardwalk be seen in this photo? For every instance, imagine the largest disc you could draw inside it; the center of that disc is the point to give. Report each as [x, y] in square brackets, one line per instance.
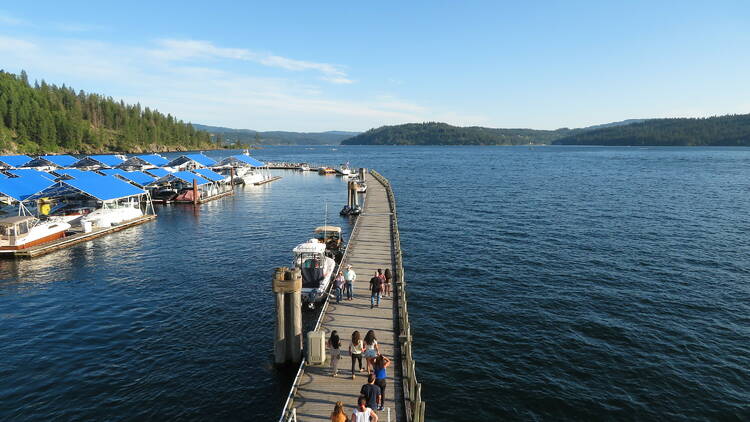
[370, 248]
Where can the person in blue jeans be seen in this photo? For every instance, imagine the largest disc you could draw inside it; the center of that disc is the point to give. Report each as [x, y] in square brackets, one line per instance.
[381, 362]
[349, 276]
[338, 284]
[376, 285]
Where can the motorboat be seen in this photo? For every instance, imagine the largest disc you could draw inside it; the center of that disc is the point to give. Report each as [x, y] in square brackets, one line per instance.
[361, 187]
[316, 268]
[25, 231]
[326, 170]
[304, 167]
[112, 214]
[331, 237]
[344, 170]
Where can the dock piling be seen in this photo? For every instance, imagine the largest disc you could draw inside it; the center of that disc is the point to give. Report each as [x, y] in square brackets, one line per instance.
[287, 285]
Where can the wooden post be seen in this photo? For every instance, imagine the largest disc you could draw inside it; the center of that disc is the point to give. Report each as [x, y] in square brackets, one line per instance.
[231, 176]
[295, 321]
[279, 347]
[349, 194]
[195, 191]
[287, 284]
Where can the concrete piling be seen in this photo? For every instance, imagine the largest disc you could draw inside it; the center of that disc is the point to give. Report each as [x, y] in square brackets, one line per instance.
[287, 286]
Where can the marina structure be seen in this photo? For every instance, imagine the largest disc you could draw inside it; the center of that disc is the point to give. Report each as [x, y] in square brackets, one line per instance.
[373, 244]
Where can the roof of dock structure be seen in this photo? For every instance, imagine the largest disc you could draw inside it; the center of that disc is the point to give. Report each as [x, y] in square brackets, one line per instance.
[22, 187]
[112, 172]
[109, 160]
[14, 160]
[77, 173]
[158, 172]
[23, 172]
[103, 188]
[197, 158]
[62, 160]
[241, 159]
[146, 159]
[209, 174]
[138, 177]
[184, 176]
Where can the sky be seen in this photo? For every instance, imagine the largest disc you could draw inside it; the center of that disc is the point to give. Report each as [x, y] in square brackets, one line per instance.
[317, 66]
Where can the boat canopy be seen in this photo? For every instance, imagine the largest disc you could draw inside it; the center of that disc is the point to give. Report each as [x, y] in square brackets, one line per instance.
[241, 159]
[158, 172]
[138, 177]
[184, 176]
[328, 229]
[113, 172]
[52, 160]
[311, 246]
[77, 173]
[210, 175]
[103, 188]
[34, 172]
[12, 221]
[12, 161]
[22, 187]
[200, 159]
[153, 159]
[99, 160]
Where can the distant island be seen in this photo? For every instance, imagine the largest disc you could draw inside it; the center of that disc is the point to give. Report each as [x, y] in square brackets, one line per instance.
[44, 118]
[731, 130]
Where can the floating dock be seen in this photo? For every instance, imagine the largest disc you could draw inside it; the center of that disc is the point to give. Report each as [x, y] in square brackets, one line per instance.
[373, 244]
[263, 182]
[71, 240]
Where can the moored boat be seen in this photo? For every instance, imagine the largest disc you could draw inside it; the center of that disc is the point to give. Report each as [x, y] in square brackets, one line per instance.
[25, 231]
[317, 270]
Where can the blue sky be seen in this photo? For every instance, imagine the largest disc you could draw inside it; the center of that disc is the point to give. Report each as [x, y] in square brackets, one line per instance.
[313, 66]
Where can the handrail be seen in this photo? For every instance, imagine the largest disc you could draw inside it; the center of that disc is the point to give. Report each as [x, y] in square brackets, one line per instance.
[287, 410]
[416, 410]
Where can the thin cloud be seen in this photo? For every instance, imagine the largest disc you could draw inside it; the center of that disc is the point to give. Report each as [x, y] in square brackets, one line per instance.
[8, 19]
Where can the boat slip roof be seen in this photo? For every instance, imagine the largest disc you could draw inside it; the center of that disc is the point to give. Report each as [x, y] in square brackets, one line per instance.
[243, 159]
[77, 174]
[186, 177]
[198, 158]
[21, 188]
[60, 160]
[14, 160]
[158, 172]
[23, 172]
[103, 188]
[210, 175]
[112, 172]
[138, 177]
[108, 160]
[153, 159]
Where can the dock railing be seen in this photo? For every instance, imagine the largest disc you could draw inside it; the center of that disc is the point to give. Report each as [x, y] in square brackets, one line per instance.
[413, 403]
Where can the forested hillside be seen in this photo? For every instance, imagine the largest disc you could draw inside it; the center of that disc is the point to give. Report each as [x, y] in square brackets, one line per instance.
[44, 118]
[731, 130]
[229, 136]
[433, 133]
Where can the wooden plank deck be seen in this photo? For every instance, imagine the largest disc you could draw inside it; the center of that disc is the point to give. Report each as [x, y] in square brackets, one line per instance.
[370, 248]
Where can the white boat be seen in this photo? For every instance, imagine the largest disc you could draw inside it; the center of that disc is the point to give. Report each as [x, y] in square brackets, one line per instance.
[344, 170]
[112, 214]
[317, 270]
[25, 231]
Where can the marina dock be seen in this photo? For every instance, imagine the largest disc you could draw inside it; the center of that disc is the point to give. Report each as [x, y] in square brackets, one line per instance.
[373, 244]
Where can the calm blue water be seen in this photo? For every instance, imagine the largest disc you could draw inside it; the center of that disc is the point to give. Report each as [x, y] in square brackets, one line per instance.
[554, 283]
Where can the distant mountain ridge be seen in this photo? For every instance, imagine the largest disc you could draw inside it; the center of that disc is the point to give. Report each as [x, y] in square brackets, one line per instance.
[279, 137]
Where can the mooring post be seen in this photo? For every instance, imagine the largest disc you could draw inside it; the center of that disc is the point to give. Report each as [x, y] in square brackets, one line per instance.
[195, 191]
[349, 194]
[287, 285]
[231, 176]
[279, 348]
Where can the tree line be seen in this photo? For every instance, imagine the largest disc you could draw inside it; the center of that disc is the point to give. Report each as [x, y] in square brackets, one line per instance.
[44, 118]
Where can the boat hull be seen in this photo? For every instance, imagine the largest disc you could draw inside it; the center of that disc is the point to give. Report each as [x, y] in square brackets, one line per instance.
[45, 239]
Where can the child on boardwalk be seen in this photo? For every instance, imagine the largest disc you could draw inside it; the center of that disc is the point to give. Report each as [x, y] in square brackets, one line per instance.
[338, 284]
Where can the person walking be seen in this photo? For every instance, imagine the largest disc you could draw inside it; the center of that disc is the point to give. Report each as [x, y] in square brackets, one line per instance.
[381, 362]
[338, 284]
[363, 413]
[371, 392]
[388, 279]
[338, 414]
[356, 348]
[376, 285]
[372, 350]
[349, 277]
[334, 342]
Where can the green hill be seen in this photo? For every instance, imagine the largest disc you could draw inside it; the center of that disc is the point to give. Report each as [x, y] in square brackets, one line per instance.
[44, 118]
[433, 133]
[248, 136]
[730, 130]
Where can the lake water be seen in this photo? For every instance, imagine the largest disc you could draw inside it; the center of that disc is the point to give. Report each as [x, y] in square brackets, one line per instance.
[552, 283]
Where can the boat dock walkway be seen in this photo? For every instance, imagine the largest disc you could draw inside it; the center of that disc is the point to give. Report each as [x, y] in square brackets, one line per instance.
[373, 244]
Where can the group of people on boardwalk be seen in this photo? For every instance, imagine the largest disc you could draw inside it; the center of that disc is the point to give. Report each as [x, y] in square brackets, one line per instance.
[380, 285]
[371, 395]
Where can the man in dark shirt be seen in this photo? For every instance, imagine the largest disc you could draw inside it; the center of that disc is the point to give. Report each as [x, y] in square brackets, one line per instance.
[375, 285]
[371, 392]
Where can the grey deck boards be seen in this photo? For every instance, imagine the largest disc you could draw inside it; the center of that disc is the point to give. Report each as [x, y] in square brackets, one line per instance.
[370, 248]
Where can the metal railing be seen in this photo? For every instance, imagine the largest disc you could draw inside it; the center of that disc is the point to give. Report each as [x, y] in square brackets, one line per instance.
[412, 389]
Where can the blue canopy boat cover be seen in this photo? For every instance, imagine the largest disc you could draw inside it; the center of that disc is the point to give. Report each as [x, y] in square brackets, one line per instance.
[77, 173]
[153, 159]
[23, 172]
[241, 159]
[184, 176]
[52, 160]
[23, 187]
[109, 160]
[103, 188]
[138, 177]
[209, 174]
[113, 172]
[199, 159]
[157, 172]
[13, 161]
